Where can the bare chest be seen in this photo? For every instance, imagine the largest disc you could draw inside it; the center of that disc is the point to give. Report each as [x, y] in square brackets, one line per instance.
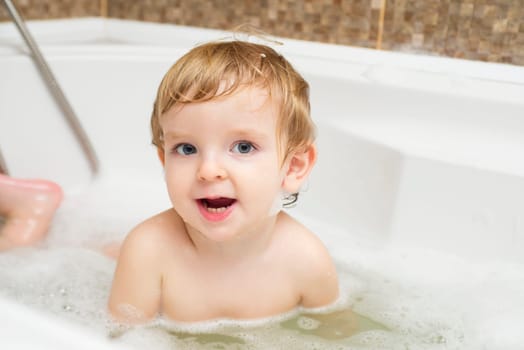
[240, 293]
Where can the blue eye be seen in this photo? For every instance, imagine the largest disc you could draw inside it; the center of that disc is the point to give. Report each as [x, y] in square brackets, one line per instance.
[185, 149]
[243, 147]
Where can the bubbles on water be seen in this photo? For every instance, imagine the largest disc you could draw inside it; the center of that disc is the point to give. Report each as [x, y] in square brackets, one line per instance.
[69, 282]
[307, 323]
[105, 213]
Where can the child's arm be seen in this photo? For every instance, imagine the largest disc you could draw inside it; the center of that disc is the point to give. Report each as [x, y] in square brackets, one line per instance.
[136, 291]
[319, 280]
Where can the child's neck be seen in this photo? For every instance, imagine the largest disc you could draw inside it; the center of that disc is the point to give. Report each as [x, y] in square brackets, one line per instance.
[248, 244]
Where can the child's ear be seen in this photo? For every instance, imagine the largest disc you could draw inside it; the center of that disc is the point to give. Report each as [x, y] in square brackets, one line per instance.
[299, 166]
[161, 156]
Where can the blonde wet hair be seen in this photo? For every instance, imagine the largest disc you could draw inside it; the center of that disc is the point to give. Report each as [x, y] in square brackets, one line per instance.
[199, 76]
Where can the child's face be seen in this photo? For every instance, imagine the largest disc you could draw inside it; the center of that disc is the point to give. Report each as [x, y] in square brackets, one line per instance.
[222, 164]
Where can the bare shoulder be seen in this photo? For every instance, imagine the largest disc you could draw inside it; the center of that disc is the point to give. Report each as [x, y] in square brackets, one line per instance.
[162, 226]
[153, 235]
[306, 244]
[313, 266]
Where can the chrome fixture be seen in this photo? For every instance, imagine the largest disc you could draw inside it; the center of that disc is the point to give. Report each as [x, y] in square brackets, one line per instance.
[59, 96]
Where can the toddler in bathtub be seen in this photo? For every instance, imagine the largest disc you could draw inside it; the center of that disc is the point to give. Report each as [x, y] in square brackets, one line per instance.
[232, 128]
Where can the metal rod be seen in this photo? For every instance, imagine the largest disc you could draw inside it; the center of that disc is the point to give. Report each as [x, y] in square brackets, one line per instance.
[51, 82]
[3, 165]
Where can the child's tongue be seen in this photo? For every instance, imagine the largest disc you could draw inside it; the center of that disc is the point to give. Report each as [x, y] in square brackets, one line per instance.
[217, 202]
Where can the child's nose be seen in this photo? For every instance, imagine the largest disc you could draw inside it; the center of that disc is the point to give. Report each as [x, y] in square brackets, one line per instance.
[211, 170]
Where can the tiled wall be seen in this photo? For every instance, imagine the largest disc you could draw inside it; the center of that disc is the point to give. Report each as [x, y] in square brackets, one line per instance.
[44, 9]
[488, 30]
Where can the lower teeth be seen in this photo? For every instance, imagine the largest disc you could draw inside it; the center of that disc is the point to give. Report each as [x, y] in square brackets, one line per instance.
[216, 210]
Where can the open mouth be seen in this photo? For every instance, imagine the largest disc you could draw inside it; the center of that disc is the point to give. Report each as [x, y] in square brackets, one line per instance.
[217, 205]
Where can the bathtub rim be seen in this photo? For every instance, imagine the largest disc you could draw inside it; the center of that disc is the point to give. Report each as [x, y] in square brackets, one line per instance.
[111, 31]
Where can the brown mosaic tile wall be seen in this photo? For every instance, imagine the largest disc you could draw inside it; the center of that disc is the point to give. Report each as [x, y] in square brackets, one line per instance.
[488, 30]
[345, 22]
[50, 9]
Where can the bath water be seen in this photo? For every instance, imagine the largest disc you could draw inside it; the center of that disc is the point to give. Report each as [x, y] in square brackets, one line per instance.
[393, 297]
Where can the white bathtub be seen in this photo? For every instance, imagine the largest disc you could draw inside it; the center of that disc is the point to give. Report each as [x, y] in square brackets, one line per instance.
[415, 151]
